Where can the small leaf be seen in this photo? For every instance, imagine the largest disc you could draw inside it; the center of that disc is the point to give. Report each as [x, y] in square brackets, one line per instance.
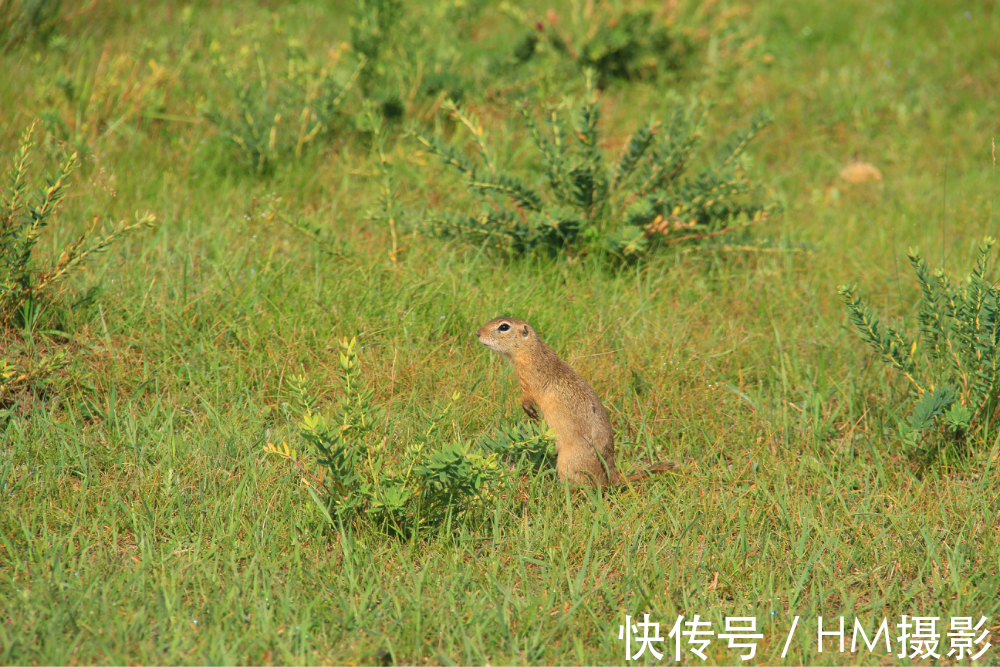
[930, 406]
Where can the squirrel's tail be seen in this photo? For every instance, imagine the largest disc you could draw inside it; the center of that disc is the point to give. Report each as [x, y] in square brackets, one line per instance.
[648, 471]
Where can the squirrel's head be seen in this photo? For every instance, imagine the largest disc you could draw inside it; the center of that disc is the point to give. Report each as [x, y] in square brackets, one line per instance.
[506, 335]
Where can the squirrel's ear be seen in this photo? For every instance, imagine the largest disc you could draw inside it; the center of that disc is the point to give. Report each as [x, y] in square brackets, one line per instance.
[524, 331]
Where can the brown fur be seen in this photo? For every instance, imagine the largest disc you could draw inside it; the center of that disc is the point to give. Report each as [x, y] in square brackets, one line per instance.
[585, 443]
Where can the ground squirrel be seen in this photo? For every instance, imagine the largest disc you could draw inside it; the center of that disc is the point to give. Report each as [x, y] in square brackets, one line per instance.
[585, 443]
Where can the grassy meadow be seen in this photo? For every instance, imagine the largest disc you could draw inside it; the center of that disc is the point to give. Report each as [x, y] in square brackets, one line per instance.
[142, 520]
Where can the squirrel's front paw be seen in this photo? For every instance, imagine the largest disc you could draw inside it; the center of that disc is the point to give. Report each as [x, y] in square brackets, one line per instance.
[530, 411]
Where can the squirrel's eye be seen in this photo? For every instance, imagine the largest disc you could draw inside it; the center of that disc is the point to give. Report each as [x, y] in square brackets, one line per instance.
[503, 327]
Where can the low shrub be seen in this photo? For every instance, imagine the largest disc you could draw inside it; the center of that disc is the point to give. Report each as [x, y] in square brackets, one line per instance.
[23, 217]
[276, 108]
[952, 368]
[522, 443]
[406, 66]
[28, 282]
[616, 42]
[590, 202]
[362, 477]
[373, 23]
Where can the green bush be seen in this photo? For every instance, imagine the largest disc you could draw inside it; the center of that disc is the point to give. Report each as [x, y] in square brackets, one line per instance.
[365, 478]
[23, 216]
[590, 202]
[524, 442]
[952, 369]
[28, 282]
[372, 25]
[616, 42]
[406, 65]
[276, 108]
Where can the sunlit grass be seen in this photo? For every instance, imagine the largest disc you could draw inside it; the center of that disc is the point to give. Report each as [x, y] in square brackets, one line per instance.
[141, 520]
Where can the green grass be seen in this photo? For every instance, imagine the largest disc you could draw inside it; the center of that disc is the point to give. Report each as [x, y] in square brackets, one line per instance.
[142, 522]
